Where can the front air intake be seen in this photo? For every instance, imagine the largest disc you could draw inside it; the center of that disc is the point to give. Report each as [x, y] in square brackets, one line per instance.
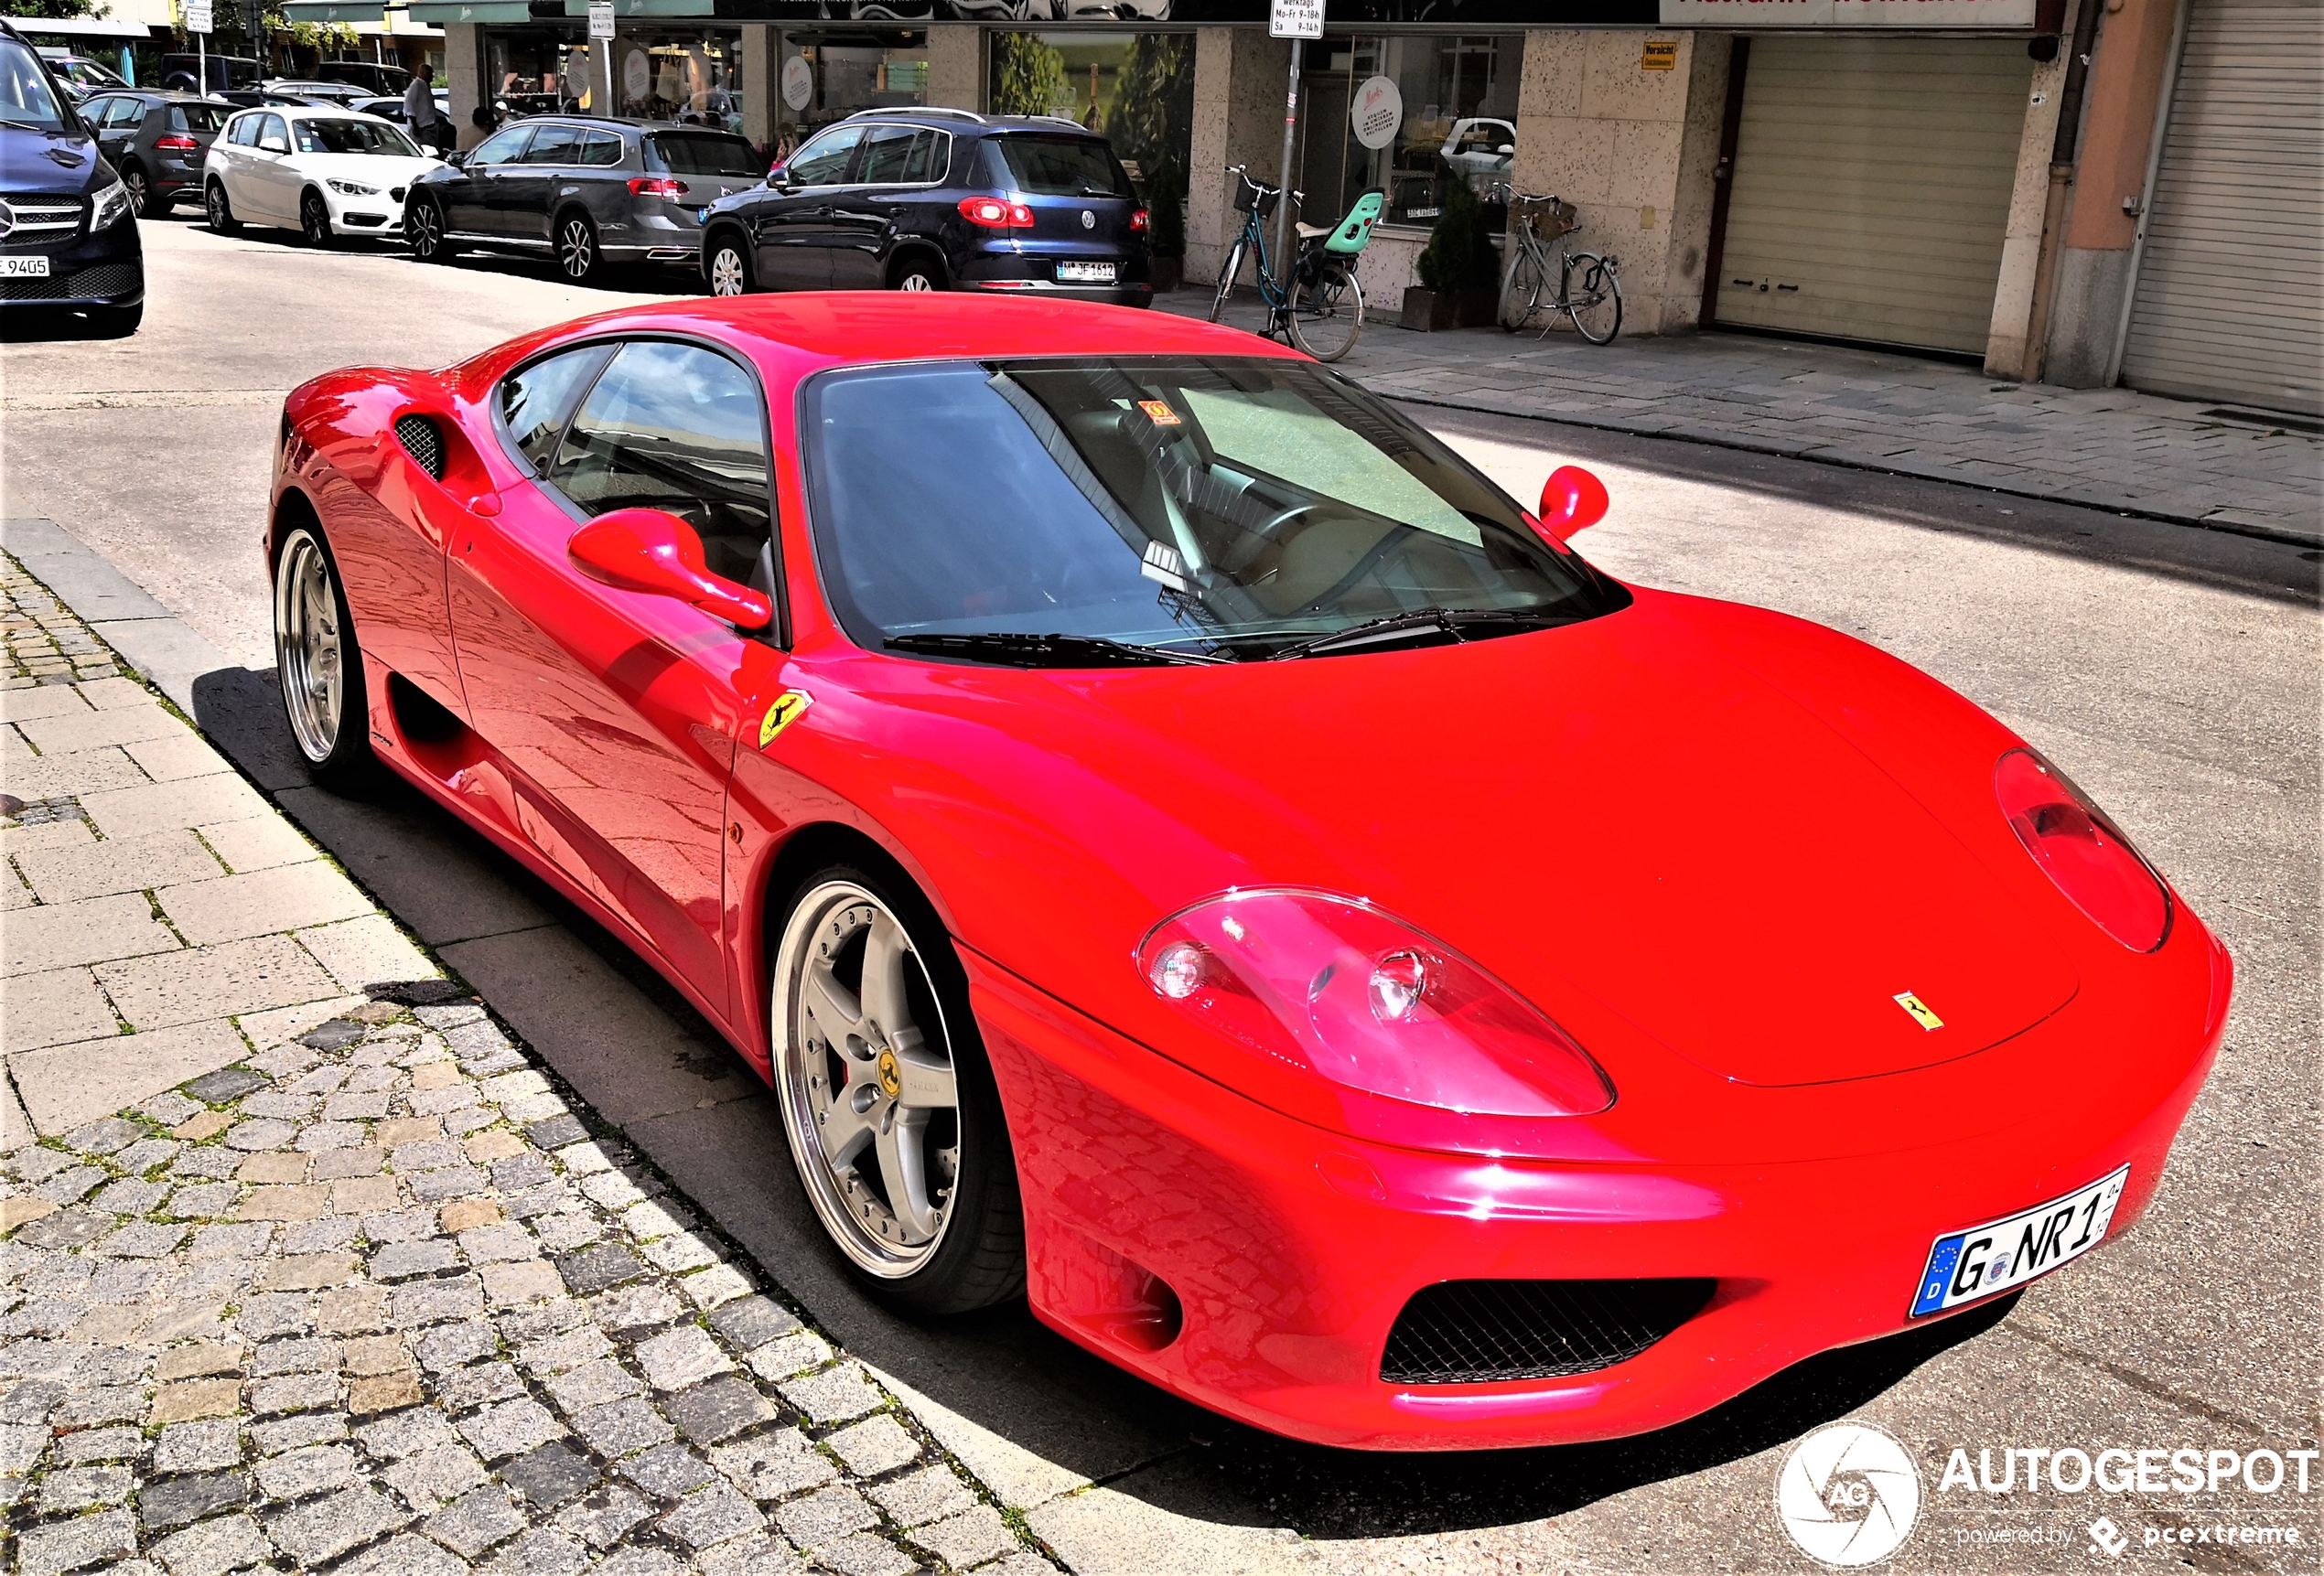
[423, 441]
[1485, 1332]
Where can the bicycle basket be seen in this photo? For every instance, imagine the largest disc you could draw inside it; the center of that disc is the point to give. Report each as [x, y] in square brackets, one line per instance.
[1557, 217]
[1246, 196]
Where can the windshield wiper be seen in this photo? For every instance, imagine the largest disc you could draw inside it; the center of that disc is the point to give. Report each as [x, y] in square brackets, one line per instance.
[1423, 624]
[1046, 650]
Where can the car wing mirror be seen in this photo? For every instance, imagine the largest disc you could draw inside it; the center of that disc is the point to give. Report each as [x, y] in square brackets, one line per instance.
[1572, 500]
[458, 158]
[648, 551]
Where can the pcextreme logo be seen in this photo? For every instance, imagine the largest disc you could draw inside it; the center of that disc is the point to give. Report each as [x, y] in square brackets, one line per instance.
[1848, 1493]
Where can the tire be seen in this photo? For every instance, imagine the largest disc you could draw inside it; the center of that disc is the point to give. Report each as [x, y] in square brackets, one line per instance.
[1327, 311]
[857, 945]
[220, 209]
[116, 322]
[1593, 297]
[1521, 291]
[142, 200]
[423, 230]
[1226, 283]
[726, 266]
[315, 221]
[916, 274]
[578, 257]
[319, 663]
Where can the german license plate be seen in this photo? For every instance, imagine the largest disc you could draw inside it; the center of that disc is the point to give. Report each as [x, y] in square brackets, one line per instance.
[1967, 1265]
[1085, 273]
[23, 268]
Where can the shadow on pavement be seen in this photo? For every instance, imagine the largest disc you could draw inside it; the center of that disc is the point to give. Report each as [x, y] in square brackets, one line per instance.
[1048, 1417]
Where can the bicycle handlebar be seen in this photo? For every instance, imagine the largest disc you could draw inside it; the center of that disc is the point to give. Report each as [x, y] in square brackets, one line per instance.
[1262, 188]
[1510, 193]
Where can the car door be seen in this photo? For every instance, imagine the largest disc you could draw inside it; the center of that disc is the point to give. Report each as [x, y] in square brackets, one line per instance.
[273, 179]
[523, 195]
[793, 225]
[615, 712]
[467, 193]
[864, 213]
[105, 117]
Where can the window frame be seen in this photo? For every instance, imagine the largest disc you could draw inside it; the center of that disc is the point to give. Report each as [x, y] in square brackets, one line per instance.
[523, 146]
[777, 632]
[855, 154]
[525, 160]
[863, 146]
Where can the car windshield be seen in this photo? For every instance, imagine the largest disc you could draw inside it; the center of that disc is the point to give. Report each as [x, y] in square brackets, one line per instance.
[350, 136]
[694, 152]
[26, 98]
[1166, 507]
[199, 117]
[1063, 166]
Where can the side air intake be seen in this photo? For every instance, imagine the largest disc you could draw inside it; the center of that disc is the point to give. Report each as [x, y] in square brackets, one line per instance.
[423, 441]
[1486, 1332]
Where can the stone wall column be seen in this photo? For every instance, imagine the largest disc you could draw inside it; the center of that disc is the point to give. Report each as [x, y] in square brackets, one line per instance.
[761, 81]
[463, 69]
[1240, 75]
[2035, 204]
[956, 67]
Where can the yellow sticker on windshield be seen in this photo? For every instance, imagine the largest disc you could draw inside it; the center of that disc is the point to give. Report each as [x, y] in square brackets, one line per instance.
[1921, 1013]
[788, 707]
[1160, 413]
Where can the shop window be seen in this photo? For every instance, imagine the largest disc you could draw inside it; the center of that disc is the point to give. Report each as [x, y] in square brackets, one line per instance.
[1135, 89]
[827, 77]
[1409, 115]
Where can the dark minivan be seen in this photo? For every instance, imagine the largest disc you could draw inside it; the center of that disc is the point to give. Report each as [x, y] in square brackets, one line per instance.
[938, 200]
[68, 238]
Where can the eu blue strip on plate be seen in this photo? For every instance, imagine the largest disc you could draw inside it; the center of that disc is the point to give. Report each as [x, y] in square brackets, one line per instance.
[1940, 1263]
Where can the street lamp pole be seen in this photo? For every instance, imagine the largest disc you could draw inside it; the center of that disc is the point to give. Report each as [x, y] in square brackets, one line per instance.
[1290, 131]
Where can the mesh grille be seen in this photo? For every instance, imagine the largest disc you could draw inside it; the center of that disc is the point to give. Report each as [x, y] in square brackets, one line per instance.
[423, 443]
[107, 279]
[1479, 1332]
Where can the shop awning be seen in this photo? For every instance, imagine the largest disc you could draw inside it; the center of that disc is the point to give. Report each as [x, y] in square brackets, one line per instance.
[440, 12]
[331, 11]
[37, 28]
[696, 8]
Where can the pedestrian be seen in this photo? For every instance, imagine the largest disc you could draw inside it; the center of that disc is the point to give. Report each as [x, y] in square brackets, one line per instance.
[428, 127]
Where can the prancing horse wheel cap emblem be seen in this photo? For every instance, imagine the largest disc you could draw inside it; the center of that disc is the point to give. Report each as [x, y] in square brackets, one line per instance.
[891, 1080]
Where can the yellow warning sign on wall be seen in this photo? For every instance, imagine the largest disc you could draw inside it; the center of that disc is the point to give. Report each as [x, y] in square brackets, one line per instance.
[1661, 55]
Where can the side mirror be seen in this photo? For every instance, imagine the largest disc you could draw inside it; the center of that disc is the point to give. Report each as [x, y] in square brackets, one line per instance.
[1572, 500]
[1506, 149]
[272, 145]
[458, 158]
[779, 178]
[648, 551]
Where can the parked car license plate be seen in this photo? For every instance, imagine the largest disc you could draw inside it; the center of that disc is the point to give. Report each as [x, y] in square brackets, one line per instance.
[1085, 273]
[1966, 1265]
[23, 268]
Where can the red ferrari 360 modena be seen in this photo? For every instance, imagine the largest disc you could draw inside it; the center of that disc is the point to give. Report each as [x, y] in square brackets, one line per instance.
[1180, 843]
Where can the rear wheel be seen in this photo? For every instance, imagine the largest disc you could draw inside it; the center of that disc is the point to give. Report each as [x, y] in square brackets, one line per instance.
[141, 194]
[888, 1104]
[577, 253]
[318, 663]
[220, 211]
[1226, 283]
[727, 269]
[315, 219]
[1327, 311]
[424, 227]
[916, 274]
[1593, 297]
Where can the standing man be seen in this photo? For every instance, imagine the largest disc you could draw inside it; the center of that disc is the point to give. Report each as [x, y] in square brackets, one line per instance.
[428, 128]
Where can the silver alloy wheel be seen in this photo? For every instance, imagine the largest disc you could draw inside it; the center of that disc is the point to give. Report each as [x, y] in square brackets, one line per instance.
[915, 280]
[725, 272]
[141, 193]
[316, 221]
[576, 248]
[307, 649]
[864, 1070]
[426, 235]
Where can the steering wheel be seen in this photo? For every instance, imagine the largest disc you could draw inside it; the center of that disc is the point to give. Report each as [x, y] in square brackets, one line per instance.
[1282, 517]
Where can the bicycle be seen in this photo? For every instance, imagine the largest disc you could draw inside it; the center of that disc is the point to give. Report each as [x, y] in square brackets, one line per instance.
[1596, 308]
[1322, 311]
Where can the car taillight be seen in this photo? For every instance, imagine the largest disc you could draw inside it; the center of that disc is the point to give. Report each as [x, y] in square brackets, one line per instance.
[657, 186]
[994, 213]
[178, 145]
[1138, 221]
[2079, 847]
[1354, 995]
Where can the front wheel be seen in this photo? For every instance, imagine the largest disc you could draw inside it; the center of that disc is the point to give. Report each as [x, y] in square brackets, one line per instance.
[424, 227]
[1226, 284]
[577, 253]
[726, 270]
[1327, 312]
[220, 209]
[315, 220]
[887, 1102]
[318, 662]
[1593, 297]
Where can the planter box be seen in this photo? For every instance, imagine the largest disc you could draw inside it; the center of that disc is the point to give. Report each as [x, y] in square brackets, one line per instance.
[1166, 272]
[1429, 311]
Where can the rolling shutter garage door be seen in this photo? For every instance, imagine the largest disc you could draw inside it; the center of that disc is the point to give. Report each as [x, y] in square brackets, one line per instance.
[1872, 180]
[2229, 301]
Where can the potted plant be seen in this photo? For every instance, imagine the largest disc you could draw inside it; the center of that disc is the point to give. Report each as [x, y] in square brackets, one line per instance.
[1459, 272]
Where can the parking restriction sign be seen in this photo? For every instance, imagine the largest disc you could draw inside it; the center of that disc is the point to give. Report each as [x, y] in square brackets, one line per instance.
[1294, 18]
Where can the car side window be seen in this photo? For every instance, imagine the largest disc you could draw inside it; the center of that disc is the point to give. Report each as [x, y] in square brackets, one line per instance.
[535, 399]
[241, 129]
[500, 147]
[96, 110]
[602, 148]
[823, 161]
[931, 157]
[675, 427]
[134, 111]
[273, 135]
[888, 152]
[554, 144]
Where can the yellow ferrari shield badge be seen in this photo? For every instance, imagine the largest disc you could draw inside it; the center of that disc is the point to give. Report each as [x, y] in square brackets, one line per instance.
[788, 707]
[1921, 1013]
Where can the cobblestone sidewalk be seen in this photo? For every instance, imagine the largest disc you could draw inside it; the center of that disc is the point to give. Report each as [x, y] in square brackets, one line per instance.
[305, 1265]
[2111, 448]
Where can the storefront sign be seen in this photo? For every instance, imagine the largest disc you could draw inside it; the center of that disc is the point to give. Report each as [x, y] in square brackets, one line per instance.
[1847, 12]
[637, 75]
[1375, 111]
[1662, 55]
[600, 18]
[797, 82]
[1294, 18]
[197, 15]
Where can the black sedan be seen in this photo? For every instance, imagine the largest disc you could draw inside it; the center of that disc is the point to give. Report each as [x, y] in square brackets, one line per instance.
[586, 191]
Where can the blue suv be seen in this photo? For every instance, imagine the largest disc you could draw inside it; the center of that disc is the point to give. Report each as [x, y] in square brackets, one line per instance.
[937, 200]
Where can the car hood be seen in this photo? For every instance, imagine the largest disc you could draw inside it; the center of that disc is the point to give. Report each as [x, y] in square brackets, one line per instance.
[1624, 809]
[35, 162]
[381, 170]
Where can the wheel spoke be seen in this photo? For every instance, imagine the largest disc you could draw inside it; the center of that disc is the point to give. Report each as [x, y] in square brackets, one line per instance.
[903, 1172]
[831, 1006]
[927, 1077]
[886, 955]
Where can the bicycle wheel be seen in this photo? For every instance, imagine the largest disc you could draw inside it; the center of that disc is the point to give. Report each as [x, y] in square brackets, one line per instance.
[1327, 312]
[1226, 283]
[1521, 290]
[1593, 297]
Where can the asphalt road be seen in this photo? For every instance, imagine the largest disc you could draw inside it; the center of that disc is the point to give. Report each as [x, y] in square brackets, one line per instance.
[2173, 673]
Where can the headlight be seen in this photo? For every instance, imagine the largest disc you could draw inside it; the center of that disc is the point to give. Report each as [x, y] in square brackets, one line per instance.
[1337, 988]
[112, 205]
[2080, 849]
[350, 189]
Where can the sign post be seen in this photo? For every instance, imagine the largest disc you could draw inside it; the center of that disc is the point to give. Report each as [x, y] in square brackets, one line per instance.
[601, 32]
[1300, 21]
[198, 24]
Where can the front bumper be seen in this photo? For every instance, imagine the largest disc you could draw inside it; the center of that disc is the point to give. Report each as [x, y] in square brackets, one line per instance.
[107, 269]
[1288, 1251]
[358, 214]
